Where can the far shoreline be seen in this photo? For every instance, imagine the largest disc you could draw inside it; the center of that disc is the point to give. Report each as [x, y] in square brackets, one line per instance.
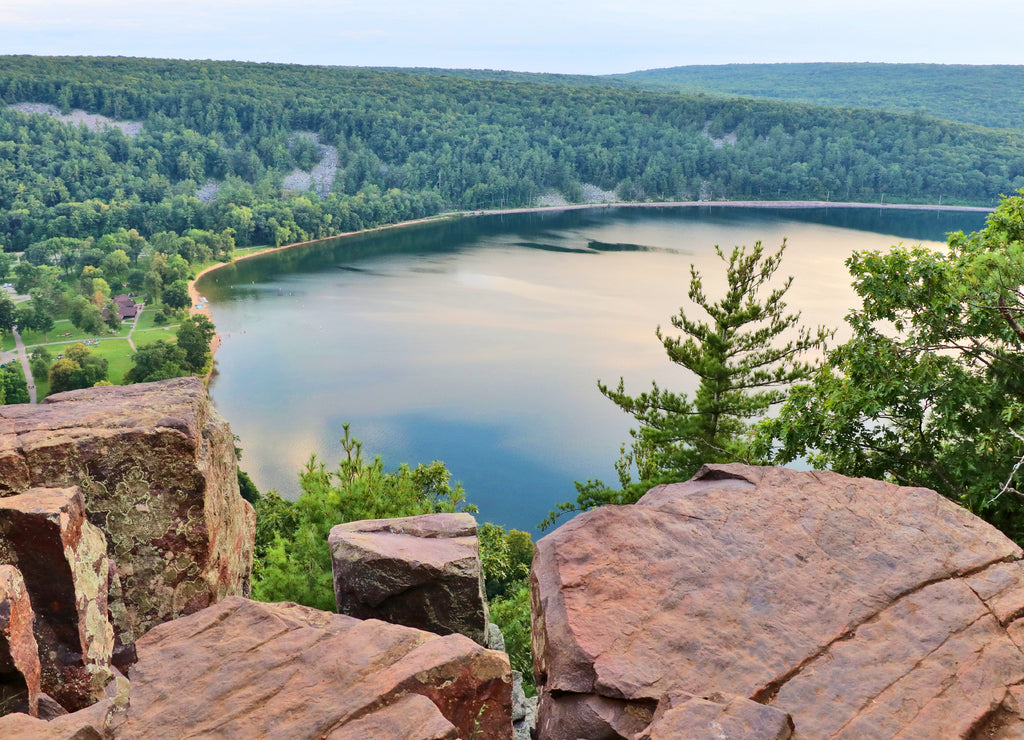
[199, 305]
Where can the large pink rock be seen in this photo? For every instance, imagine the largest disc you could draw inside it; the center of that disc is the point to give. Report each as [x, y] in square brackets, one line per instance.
[420, 571]
[63, 561]
[851, 608]
[244, 669]
[156, 464]
[19, 652]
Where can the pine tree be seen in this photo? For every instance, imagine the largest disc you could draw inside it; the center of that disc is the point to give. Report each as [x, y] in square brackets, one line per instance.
[744, 364]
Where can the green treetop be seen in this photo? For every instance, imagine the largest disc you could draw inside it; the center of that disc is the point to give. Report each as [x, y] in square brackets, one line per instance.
[929, 390]
[744, 364]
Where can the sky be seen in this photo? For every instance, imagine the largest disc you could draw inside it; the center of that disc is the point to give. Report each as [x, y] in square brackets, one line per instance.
[566, 36]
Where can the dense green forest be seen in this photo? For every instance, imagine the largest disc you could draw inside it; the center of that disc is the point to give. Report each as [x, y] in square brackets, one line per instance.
[409, 145]
[987, 95]
[982, 94]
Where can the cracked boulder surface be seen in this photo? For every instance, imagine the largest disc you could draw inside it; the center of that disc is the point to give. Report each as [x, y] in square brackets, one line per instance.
[245, 669]
[776, 604]
[420, 571]
[156, 466]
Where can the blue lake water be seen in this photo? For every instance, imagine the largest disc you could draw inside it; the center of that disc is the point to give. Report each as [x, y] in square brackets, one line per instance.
[480, 341]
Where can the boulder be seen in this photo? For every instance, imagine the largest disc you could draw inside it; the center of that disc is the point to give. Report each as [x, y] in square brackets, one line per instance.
[92, 723]
[420, 571]
[244, 669]
[19, 653]
[847, 608]
[156, 465]
[63, 561]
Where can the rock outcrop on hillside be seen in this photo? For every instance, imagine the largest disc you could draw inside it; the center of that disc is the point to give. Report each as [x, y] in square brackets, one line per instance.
[778, 604]
[120, 508]
[419, 571]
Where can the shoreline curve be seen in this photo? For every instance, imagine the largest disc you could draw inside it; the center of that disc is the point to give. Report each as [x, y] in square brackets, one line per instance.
[199, 306]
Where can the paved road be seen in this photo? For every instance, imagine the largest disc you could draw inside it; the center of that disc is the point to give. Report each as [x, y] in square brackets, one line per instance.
[23, 356]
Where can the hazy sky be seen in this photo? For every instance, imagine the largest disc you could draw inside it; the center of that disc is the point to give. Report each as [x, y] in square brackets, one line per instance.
[592, 37]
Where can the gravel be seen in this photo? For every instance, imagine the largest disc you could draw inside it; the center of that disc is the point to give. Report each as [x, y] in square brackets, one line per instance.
[321, 177]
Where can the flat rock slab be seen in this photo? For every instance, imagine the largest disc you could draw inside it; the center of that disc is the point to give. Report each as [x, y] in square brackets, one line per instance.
[858, 608]
[244, 669]
[420, 571]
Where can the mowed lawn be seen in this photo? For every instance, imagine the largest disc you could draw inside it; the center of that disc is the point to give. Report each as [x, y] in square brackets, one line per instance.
[114, 348]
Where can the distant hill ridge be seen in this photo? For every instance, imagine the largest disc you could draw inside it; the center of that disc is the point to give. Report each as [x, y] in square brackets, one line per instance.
[986, 95]
[232, 147]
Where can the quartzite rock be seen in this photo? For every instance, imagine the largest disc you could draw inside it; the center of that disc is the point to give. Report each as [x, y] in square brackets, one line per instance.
[63, 560]
[420, 571]
[19, 653]
[858, 608]
[243, 669]
[156, 465]
[92, 723]
[694, 718]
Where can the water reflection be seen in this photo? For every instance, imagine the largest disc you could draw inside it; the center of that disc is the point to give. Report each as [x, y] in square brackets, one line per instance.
[458, 341]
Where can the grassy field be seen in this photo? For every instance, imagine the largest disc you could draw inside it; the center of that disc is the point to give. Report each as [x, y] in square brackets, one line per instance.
[118, 354]
[142, 337]
[113, 347]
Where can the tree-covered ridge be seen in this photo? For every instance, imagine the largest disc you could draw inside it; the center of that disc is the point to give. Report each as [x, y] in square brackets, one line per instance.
[413, 144]
[987, 95]
[980, 94]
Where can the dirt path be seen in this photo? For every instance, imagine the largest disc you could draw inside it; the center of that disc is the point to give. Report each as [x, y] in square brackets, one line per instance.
[138, 318]
[23, 356]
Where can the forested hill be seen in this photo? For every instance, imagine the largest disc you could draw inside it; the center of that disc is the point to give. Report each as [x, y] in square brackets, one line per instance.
[987, 95]
[284, 152]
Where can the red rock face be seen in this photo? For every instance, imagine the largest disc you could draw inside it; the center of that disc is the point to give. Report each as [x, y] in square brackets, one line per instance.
[851, 608]
[420, 571]
[19, 653]
[63, 560]
[156, 465]
[243, 669]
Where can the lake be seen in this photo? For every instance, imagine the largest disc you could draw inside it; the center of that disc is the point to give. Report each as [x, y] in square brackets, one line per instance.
[479, 341]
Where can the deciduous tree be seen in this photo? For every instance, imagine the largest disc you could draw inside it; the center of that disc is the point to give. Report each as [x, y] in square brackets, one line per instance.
[929, 391]
[77, 369]
[194, 337]
[157, 361]
[176, 295]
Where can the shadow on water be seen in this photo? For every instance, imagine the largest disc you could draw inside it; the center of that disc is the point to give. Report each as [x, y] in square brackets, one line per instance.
[379, 364]
[552, 248]
[607, 247]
